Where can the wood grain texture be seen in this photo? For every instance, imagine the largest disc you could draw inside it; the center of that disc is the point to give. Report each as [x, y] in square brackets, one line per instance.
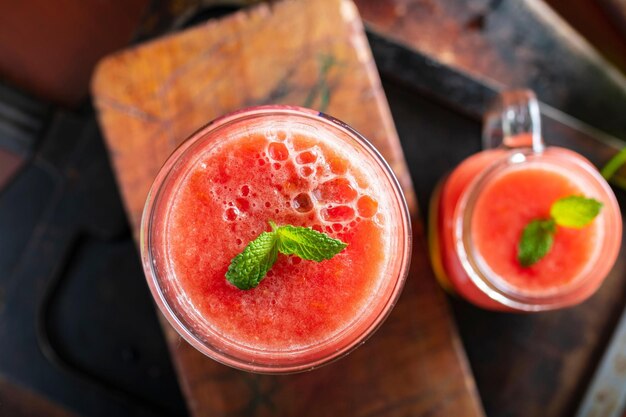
[151, 98]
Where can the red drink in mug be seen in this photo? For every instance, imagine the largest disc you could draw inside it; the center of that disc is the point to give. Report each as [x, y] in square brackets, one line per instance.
[220, 190]
[480, 213]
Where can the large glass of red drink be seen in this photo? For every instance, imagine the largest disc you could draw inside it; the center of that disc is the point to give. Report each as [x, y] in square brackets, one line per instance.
[220, 189]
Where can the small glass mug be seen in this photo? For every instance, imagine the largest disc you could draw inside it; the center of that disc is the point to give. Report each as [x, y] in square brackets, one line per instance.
[169, 294]
[512, 142]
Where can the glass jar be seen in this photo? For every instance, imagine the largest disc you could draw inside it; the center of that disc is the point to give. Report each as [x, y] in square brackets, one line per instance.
[213, 328]
[474, 237]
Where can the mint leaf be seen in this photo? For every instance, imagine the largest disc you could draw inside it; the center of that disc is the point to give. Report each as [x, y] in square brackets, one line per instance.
[536, 241]
[537, 237]
[248, 268]
[575, 211]
[307, 243]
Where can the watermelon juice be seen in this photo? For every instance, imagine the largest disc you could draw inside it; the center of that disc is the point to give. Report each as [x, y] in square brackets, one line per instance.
[481, 209]
[218, 192]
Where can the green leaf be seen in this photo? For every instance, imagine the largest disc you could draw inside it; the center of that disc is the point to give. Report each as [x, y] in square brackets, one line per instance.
[575, 211]
[307, 243]
[248, 268]
[536, 241]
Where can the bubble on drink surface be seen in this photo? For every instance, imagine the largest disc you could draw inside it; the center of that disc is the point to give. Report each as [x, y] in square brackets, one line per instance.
[230, 214]
[337, 190]
[281, 135]
[306, 157]
[239, 242]
[278, 151]
[337, 165]
[302, 203]
[337, 214]
[276, 166]
[366, 206]
[306, 171]
[301, 143]
[320, 171]
[245, 190]
[242, 204]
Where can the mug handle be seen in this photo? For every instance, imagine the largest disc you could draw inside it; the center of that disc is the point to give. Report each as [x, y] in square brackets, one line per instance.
[513, 121]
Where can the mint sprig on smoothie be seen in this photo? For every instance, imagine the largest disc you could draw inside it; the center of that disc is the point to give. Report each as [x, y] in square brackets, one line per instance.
[248, 269]
[537, 237]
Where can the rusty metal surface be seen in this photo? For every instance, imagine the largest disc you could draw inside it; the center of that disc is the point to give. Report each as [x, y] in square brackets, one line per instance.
[598, 21]
[471, 96]
[509, 43]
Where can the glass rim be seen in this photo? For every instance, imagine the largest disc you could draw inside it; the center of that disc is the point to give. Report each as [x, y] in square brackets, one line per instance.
[370, 324]
[494, 286]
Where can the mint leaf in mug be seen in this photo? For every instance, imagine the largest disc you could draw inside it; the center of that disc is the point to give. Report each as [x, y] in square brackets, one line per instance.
[575, 211]
[537, 237]
[536, 242]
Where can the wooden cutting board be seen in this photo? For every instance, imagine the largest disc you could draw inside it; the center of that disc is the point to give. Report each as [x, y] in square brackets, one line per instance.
[311, 53]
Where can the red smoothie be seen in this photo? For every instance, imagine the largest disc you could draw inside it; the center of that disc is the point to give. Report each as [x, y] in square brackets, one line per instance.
[506, 206]
[226, 200]
[479, 213]
[222, 195]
